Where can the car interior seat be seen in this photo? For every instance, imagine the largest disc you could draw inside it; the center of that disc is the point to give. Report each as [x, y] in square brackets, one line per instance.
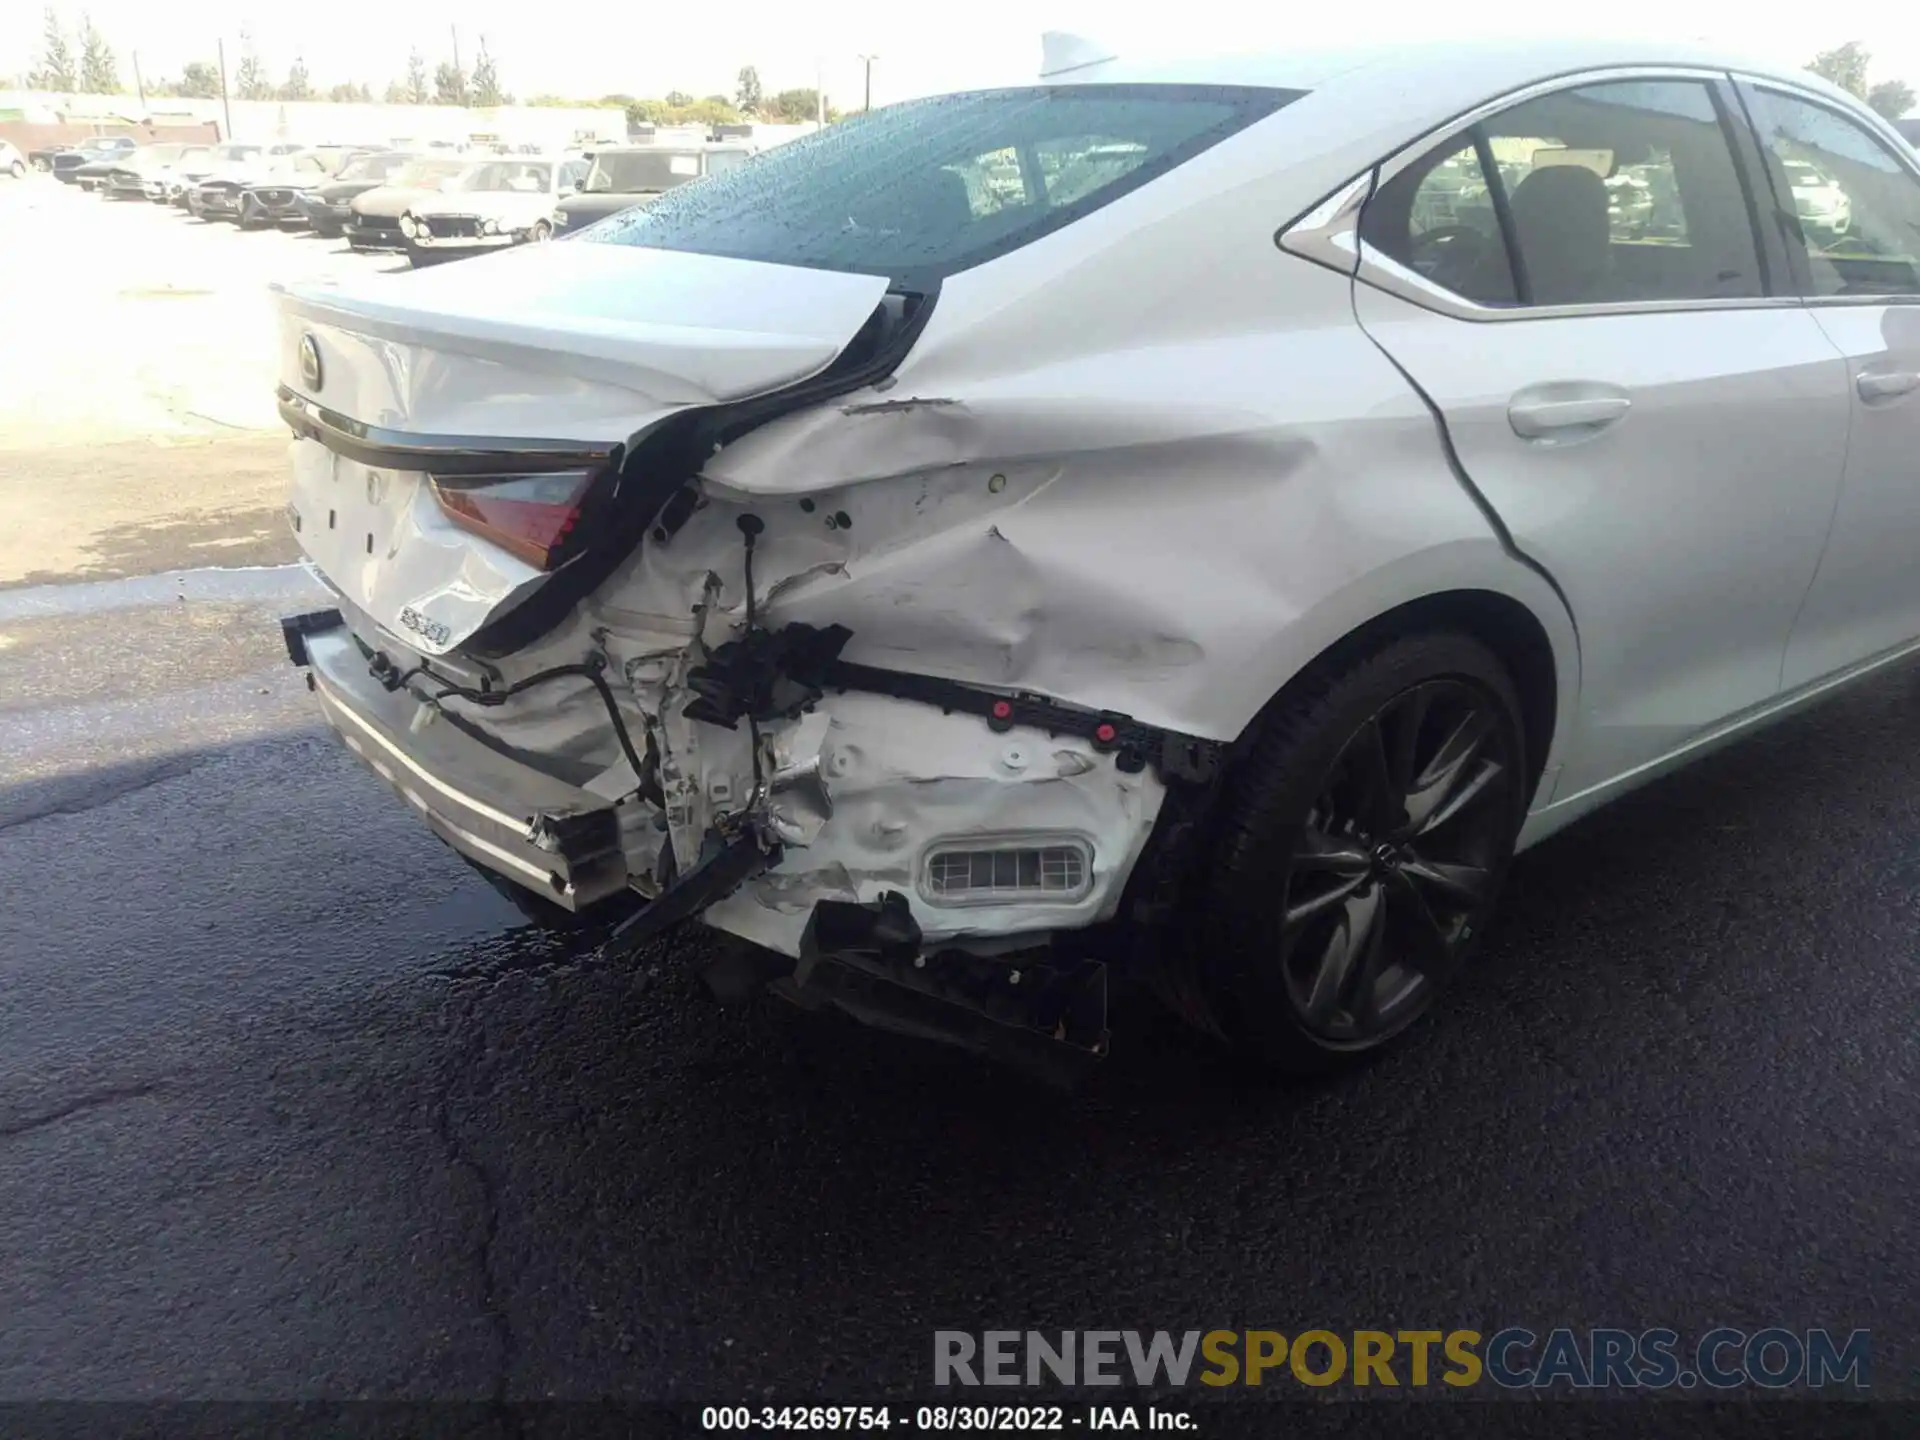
[1560, 220]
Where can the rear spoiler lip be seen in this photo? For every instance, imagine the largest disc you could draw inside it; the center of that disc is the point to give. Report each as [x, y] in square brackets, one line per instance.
[451, 456]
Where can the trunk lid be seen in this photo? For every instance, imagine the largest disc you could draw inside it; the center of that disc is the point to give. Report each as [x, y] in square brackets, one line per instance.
[549, 351]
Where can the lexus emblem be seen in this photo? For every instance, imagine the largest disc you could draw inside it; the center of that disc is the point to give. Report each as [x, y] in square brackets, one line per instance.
[310, 370]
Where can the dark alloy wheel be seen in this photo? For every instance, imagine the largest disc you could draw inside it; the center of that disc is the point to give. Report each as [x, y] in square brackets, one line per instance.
[1396, 861]
[1362, 851]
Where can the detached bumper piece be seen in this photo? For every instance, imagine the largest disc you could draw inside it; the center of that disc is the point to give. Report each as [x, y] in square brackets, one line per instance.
[554, 838]
[866, 959]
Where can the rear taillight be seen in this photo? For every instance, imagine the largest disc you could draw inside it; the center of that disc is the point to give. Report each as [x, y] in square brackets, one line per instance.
[531, 517]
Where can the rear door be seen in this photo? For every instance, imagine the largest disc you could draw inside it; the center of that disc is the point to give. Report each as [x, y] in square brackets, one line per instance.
[1849, 203]
[1577, 282]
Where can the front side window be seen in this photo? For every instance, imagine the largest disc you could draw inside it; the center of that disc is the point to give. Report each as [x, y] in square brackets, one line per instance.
[1603, 194]
[1856, 207]
[923, 189]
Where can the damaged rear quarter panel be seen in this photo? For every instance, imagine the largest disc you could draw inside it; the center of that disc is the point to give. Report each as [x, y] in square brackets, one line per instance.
[1169, 529]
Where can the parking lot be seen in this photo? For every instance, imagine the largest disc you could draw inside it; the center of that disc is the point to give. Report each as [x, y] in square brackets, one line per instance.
[290, 1106]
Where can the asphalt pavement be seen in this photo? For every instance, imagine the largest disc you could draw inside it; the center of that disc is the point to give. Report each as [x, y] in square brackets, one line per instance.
[291, 1106]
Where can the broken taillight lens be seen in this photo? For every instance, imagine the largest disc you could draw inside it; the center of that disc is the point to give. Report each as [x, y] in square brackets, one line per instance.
[531, 517]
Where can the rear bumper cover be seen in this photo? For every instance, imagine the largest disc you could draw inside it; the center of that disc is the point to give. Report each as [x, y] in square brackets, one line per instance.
[555, 839]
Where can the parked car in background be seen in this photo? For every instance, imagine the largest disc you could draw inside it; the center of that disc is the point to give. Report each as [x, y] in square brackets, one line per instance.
[1819, 202]
[126, 177]
[160, 178]
[373, 218]
[12, 162]
[956, 601]
[218, 197]
[327, 207]
[67, 164]
[622, 176]
[490, 205]
[272, 196]
[189, 170]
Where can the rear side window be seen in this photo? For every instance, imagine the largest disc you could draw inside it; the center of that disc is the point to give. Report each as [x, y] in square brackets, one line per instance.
[1856, 206]
[1601, 194]
[924, 189]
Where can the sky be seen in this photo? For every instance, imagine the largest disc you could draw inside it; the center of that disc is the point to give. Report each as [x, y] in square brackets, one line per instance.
[585, 50]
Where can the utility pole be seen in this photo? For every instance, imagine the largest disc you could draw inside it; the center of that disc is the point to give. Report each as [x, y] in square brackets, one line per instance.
[139, 86]
[819, 94]
[225, 108]
[868, 60]
[456, 60]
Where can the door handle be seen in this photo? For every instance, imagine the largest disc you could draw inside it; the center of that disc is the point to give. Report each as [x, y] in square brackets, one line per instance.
[1538, 419]
[1886, 385]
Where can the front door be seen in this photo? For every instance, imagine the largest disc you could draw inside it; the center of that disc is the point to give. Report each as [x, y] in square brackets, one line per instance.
[1850, 201]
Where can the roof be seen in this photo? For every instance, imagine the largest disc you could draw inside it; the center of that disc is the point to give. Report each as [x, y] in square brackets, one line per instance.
[1477, 67]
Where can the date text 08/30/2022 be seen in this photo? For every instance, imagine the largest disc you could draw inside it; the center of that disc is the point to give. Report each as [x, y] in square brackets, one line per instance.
[763, 1419]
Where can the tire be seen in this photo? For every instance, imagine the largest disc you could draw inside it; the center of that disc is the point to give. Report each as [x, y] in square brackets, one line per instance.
[540, 233]
[1304, 863]
[245, 219]
[326, 232]
[18, 169]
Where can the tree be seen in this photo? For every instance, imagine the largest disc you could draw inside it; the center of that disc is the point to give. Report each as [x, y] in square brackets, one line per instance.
[449, 84]
[747, 93]
[1845, 67]
[678, 99]
[794, 106]
[1891, 98]
[98, 73]
[200, 80]
[298, 86]
[486, 80]
[55, 71]
[417, 92]
[397, 93]
[250, 80]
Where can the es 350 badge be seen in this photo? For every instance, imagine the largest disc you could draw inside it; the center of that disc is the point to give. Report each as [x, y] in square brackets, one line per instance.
[430, 630]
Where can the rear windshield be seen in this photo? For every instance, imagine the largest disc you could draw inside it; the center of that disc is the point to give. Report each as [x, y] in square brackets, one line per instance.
[924, 189]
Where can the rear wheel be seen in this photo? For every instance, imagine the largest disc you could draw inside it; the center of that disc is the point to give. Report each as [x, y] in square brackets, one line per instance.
[541, 231]
[18, 169]
[1361, 852]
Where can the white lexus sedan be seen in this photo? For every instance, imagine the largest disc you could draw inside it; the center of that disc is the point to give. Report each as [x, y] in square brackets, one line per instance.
[1195, 521]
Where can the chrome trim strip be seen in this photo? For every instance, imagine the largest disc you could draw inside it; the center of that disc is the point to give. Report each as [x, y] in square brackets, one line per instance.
[448, 455]
[1328, 233]
[514, 825]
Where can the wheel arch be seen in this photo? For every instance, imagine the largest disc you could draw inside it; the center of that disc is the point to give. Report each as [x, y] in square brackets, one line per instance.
[1544, 666]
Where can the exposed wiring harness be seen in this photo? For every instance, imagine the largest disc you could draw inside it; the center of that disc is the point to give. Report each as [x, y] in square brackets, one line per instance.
[591, 671]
